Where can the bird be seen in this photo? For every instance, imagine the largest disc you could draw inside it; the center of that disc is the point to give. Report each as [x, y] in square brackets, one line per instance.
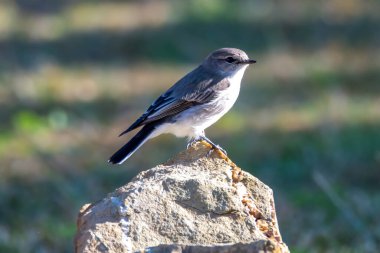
[192, 104]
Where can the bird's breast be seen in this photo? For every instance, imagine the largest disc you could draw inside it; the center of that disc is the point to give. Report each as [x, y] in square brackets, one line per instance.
[228, 97]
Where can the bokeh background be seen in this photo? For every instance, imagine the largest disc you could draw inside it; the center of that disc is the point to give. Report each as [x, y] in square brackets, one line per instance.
[74, 74]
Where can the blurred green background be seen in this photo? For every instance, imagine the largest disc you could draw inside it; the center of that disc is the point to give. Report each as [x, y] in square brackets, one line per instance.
[74, 74]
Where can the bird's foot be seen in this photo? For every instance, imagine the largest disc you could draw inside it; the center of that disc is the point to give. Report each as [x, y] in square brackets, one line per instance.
[192, 142]
[218, 149]
[214, 147]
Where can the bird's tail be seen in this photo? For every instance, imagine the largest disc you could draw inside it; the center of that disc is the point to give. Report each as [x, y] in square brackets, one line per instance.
[128, 149]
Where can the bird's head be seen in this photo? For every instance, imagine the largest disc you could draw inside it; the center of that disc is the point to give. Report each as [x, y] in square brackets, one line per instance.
[227, 61]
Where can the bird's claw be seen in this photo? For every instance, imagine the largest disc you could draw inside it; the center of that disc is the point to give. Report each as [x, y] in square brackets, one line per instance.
[216, 147]
[191, 143]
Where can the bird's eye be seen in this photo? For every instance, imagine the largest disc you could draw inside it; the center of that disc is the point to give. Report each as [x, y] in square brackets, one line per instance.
[230, 59]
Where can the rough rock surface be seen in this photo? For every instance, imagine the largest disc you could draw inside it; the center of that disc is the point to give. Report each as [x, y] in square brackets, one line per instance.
[195, 202]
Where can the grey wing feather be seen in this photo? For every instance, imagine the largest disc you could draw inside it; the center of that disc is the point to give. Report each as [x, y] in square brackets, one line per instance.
[172, 109]
[191, 90]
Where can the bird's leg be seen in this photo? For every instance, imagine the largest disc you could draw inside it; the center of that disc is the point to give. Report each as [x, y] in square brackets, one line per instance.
[213, 145]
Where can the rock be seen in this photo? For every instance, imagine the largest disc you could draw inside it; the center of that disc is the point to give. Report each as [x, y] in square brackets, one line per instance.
[195, 202]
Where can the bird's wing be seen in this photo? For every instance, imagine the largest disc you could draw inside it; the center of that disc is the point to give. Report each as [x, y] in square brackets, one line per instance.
[189, 91]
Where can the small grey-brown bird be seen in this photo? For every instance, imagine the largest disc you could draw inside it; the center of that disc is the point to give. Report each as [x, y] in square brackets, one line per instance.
[193, 103]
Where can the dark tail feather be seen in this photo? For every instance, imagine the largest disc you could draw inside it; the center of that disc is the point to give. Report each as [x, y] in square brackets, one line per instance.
[128, 149]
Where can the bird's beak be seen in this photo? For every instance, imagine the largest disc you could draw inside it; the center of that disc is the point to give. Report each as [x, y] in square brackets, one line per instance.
[249, 61]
